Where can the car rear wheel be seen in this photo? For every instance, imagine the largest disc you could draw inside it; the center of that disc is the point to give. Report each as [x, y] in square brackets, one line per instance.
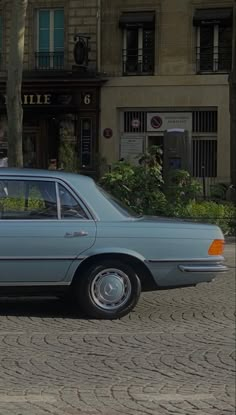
[108, 290]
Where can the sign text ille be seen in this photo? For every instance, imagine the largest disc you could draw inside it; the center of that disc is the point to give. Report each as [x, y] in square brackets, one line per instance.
[36, 99]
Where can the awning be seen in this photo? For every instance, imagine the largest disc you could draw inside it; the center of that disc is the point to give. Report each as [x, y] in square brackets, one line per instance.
[143, 19]
[213, 16]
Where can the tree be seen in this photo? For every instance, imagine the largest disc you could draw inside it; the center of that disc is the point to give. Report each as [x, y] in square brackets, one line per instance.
[14, 82]
[233, 105]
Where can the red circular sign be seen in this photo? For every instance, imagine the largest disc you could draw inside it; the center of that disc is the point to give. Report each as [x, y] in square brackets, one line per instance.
[107, 133]
[156, 122]
[135, 123]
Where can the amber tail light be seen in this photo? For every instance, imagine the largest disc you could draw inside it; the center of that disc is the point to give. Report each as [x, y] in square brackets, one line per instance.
[217, 247]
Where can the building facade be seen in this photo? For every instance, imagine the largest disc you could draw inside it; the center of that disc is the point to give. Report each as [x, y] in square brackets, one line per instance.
[168, 64]
[61, 81]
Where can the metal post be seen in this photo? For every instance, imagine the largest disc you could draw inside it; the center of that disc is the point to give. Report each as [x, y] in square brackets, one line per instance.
[204, 182]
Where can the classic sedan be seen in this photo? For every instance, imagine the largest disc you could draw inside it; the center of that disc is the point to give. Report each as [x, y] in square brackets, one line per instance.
[63, 235]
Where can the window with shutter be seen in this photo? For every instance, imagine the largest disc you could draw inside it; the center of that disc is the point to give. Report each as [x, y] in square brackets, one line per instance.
[214, 40]
[58, 38]
[138, 43]
[50, 54]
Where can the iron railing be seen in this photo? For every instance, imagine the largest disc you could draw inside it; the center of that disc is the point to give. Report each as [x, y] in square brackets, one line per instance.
[204, 157]
[138, 61]
[47, 61]
[213, 59]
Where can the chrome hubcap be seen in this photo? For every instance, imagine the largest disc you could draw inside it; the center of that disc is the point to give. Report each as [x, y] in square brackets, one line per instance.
[110, 289]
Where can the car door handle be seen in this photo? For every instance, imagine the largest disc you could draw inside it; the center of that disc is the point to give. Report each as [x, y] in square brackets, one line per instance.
[76, 234]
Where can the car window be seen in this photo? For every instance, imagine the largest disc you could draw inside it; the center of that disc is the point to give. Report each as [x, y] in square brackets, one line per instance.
[120, 206]
[70, 207]
[27, 199]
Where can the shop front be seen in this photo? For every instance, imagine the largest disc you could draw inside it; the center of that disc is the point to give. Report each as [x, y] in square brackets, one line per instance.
[60, 123]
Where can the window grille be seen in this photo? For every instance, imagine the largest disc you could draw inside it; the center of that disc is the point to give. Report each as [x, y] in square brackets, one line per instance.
[204, 153]
[135, 122]
[204, 121]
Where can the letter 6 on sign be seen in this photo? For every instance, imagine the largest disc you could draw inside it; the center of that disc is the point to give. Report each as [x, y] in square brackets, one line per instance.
[87, 99]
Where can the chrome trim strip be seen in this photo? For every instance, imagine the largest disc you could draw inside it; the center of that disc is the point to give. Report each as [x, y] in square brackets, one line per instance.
[212, 260]
[202, 268]
[37, 258]
[58, 202]
[46, 220]
[33, 284]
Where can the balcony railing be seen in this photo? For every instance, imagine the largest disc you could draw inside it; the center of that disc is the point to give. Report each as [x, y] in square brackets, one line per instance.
[47, 61]
[214, 59]
[138, 61]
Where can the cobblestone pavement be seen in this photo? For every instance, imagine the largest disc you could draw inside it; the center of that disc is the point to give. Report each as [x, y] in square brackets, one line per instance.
[173, 355]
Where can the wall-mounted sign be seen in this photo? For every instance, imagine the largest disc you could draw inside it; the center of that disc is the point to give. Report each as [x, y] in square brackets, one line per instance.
[87, 98]
[156, 122]
[34, 99]
[30, 100]
[131, 148]
[164, 121]
[135, 123]
[107, 133]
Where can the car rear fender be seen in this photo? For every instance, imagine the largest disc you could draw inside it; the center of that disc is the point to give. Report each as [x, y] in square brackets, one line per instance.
[133, 259]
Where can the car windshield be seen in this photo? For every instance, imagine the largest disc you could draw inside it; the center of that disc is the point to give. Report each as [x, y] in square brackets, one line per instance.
[120, 206]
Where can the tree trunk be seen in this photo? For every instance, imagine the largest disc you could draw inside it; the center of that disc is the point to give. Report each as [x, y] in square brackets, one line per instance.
[233, 106]
[14, 83]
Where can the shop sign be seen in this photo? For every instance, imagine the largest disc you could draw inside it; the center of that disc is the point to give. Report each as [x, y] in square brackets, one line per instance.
[34, 99]
[164, 121]
[42, 99]
[107, 133]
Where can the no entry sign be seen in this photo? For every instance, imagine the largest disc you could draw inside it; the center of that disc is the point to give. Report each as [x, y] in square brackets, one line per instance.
[156, 122]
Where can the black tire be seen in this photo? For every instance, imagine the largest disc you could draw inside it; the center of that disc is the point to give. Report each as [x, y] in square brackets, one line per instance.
[86, 290]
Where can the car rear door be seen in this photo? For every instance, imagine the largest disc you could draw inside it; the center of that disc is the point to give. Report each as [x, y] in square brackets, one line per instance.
[44, 227]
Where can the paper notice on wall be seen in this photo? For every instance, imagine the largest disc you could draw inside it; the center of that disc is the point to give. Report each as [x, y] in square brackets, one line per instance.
[131, 149]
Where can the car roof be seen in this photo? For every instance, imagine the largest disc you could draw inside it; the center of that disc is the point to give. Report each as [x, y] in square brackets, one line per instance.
[43, 173]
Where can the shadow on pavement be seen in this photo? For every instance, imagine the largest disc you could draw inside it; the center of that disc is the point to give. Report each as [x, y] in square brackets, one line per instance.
[39, 307]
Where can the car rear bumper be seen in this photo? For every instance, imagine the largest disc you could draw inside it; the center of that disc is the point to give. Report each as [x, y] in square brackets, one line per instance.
[203, 268]
[184, 273]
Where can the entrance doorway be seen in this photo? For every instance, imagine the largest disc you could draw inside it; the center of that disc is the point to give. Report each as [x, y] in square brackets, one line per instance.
[155, 140]
[31, 148]
[35, 144]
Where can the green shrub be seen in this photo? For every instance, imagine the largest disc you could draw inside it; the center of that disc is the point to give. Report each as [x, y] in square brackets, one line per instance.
[139, 187]
[223, 215]
[180, 188]
[9, 203]
[218, 191]
[67, 156]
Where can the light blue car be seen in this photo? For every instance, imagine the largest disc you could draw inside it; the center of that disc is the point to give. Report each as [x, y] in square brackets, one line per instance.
[61, 234]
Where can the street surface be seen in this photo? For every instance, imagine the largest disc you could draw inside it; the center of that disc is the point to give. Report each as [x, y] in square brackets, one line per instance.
[174, 354]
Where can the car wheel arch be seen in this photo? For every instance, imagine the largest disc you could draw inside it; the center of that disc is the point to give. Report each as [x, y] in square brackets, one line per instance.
[145, 276]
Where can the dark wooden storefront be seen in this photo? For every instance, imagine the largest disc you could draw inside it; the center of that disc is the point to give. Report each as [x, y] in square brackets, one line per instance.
[58, 109]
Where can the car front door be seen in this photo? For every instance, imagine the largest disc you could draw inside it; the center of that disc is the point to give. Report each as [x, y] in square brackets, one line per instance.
[43, 228]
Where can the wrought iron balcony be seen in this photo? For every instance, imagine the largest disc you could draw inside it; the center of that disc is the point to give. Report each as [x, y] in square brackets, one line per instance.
[138, 61]
[49, 61]
[214, 59]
